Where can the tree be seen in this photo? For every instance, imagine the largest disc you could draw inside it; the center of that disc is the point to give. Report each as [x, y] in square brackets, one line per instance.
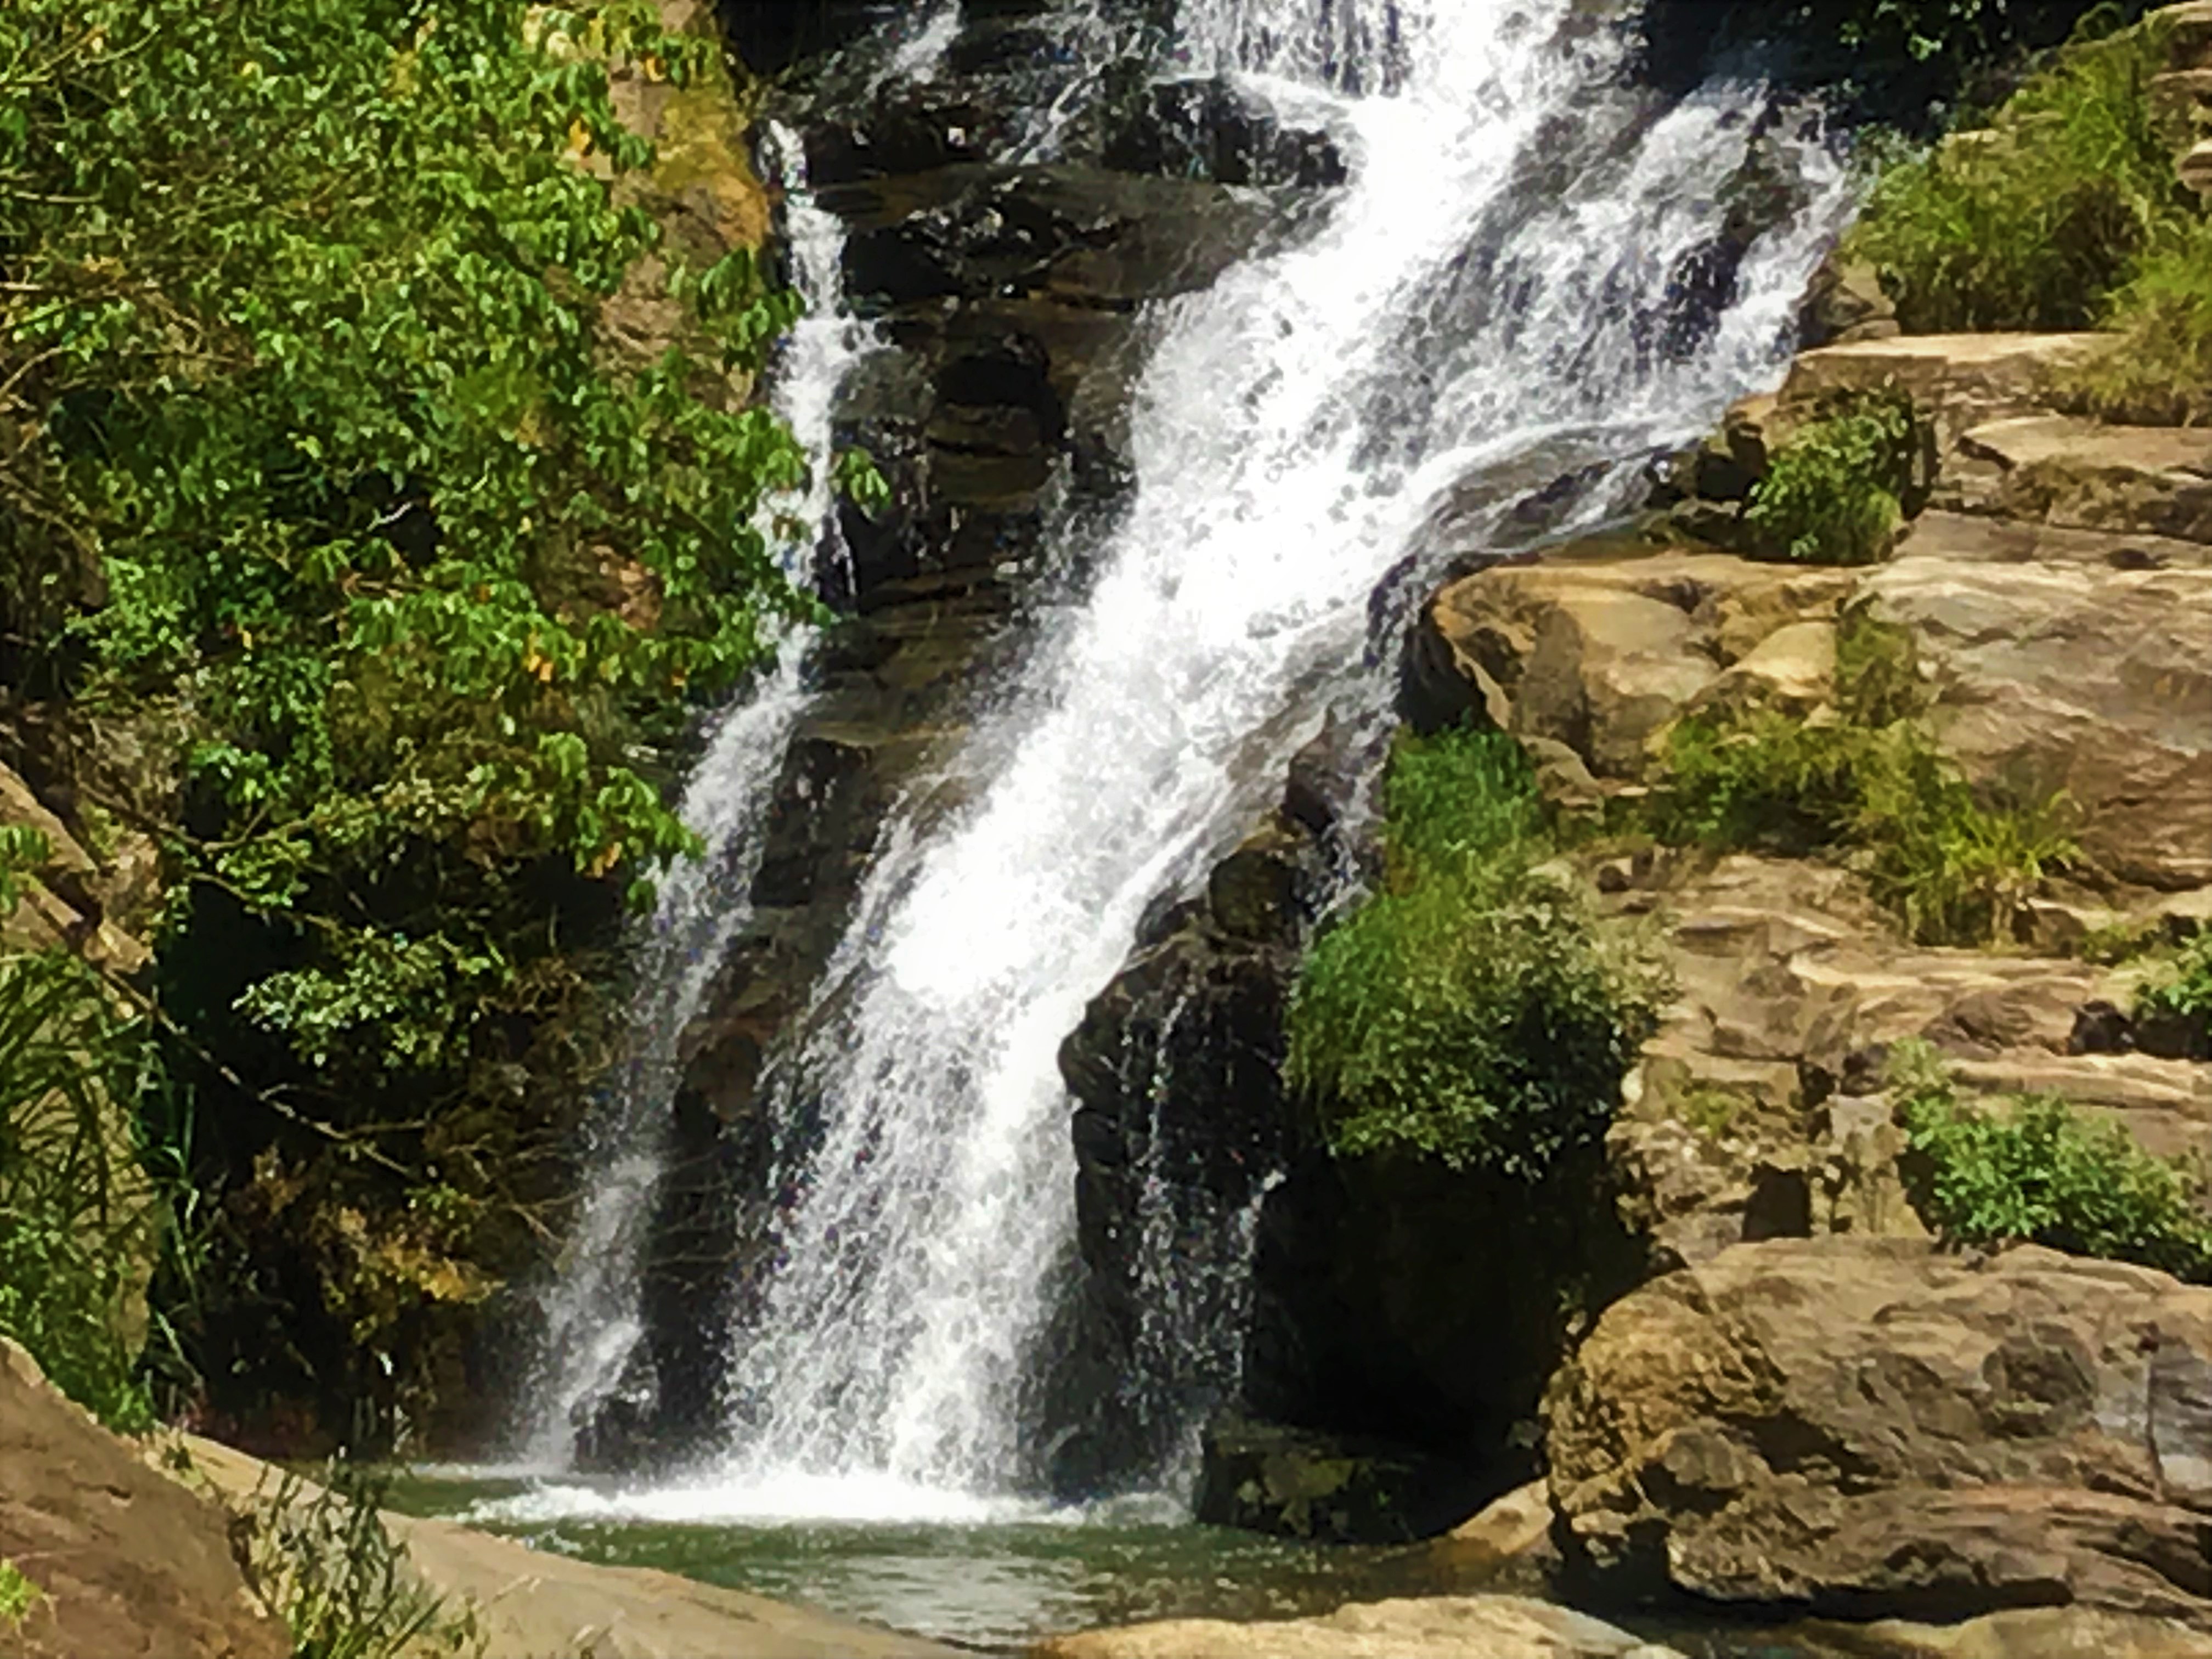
[312, 444]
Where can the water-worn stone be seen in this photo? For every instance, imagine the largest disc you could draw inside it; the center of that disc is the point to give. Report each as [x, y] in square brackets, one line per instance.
[1508, 1546]
[129, 1565]
[1291, 1483]
[2028, 1633]
[1868, 1428]
[1440, 1627]
[1958, 380]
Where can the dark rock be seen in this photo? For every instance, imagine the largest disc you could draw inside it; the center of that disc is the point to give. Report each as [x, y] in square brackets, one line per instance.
[1211, 129]
[1291, 1483]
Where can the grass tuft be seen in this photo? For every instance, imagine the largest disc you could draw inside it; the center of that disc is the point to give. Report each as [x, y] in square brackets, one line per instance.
[1869, 784]
[2035, 1171]
[2035, 221]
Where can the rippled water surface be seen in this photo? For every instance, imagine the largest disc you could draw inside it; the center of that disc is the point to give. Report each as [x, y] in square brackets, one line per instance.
[992, 1584]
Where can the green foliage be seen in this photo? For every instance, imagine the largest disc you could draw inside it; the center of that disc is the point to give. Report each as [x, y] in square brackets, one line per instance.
[2032, 222]
[1834, 492]
[74, 1207]
[2182, 991]
[321, 1559]
[2159, 371]
[1474, 1011]
[22, 852]
[327, 443]
[1953, 869]
[2037, 1172]
[20, 1596]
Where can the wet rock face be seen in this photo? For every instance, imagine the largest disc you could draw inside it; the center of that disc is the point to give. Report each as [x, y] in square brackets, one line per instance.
[1004, 267]
[770, 36]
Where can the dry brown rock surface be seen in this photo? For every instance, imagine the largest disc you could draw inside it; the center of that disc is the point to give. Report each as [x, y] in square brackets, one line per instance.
[527, 1604]
[1858, 1426]
[129, 1564]
[1440, 1627]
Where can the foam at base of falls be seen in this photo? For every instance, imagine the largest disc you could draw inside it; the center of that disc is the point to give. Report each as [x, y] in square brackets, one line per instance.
[861, 1499]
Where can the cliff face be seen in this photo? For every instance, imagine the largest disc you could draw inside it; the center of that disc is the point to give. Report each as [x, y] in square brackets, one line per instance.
[2049, 602]
[1005, 294]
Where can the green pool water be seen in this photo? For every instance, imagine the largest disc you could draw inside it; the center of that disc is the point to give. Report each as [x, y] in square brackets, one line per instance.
[990, 1585]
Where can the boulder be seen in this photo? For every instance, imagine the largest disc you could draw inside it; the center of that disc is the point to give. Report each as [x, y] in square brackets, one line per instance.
[2074, 677]
[2029, 1633]
[1443, 1627]
[129, 1565]
[1601, 654]
[1867, 1427]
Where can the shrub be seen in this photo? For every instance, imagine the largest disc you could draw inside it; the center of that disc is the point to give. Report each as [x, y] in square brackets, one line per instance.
[1834, 492]
[2037, 1172]
[321, 1559]
[2032, 223]
[2159, 371]
[20, 1596]
[1951, 868]
[2183, 991]
[1475, 1010]
[74, 1202]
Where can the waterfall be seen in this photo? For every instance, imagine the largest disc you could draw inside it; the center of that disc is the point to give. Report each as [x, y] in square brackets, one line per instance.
[1494, 304]
[592, 1314]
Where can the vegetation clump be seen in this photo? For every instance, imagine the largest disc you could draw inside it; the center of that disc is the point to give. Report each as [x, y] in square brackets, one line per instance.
[1474, 1011]
[2181, 993]
[371, 458]
[20, 1596]
[1835, 491]
[321, 1558]
[77, 1222]
[1866, 784]
[2036, 1171]
[2035, 221]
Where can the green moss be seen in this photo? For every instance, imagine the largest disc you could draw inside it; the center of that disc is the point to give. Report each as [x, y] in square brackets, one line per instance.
[2033, 1170]
[2034, 222]
[1475, 1010]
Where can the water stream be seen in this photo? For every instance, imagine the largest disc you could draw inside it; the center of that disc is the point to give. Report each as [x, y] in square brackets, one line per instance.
[593, 1313]
[1497, 304]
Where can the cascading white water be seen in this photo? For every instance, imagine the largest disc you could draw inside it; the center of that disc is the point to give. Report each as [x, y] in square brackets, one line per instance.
[1465, 318]
[593, 1313]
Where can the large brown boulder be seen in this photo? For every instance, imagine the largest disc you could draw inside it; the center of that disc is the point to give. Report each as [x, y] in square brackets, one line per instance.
[1867, 1427]
[1439, 1627]
[2077, 672]
[129, 1564]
